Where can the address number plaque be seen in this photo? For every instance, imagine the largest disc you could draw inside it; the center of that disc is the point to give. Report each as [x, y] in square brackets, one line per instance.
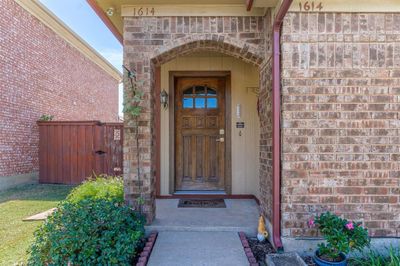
[310, 6]
[144, 11]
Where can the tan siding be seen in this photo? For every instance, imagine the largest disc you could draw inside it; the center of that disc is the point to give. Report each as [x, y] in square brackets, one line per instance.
[245, 163]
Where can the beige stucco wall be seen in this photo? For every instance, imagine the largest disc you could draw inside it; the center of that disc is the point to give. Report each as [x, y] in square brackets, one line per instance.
[245, 151]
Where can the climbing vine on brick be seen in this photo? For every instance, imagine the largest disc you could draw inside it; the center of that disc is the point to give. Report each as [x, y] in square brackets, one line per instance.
[133, 97]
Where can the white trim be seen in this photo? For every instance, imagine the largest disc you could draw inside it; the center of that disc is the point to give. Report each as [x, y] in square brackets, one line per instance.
[190, 10]
[346, 6]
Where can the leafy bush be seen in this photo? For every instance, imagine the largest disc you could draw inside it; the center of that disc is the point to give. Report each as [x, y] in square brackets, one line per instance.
[374, 258]
[88, 232]
[341, 235]
[101, 187]
[46, 117]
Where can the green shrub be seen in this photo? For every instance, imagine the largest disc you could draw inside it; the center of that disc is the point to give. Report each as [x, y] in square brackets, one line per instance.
[374, 258]
[88, 232]
[46, 117]
[100, 187]
[341, 235]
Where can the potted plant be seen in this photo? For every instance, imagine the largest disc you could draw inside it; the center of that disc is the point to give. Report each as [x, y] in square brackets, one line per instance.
[341, 235]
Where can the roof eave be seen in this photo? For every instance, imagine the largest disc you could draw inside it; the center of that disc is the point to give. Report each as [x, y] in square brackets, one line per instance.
[106, 20]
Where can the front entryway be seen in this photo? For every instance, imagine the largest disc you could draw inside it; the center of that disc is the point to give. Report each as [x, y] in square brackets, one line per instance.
[205, 106]
[202, 236]
[200, 138]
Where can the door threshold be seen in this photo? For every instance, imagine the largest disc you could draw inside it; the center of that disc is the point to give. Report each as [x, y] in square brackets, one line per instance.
[199, 192]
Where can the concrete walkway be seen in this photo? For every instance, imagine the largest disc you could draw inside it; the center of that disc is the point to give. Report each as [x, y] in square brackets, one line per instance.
[202, 236]
[198, 248]
[239, 215]
[40, 216]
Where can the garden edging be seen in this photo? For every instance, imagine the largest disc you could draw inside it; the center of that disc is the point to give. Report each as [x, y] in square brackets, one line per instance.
[148, 248]
[247, 250]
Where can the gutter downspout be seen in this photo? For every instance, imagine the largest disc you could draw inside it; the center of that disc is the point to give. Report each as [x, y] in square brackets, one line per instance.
[276, 137]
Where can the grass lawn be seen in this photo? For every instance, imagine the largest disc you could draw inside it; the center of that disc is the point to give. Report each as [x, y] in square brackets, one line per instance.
[19, 203]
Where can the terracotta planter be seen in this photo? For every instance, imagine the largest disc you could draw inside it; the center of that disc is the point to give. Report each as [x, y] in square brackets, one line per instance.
[321, 262]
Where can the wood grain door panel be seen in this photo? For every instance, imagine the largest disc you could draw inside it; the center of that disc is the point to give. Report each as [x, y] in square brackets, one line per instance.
[199, 117]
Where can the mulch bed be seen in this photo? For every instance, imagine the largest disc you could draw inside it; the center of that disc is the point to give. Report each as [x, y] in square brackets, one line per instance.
[260, 249]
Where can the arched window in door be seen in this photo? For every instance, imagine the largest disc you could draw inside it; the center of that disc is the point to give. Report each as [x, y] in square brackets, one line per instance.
[200, 97]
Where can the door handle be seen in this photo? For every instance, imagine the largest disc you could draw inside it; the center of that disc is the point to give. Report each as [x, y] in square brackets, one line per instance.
[220, 139]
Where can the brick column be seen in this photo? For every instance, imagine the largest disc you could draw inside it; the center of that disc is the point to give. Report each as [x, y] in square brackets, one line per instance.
[265, 115]
[140, 186]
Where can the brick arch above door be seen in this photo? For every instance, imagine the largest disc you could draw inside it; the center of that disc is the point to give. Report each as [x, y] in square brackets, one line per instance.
[210, 43]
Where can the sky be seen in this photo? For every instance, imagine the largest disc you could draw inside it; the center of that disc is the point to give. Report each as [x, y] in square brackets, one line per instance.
[79, 16]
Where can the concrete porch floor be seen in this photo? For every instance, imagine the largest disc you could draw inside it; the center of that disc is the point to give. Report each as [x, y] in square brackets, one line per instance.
[239, 215]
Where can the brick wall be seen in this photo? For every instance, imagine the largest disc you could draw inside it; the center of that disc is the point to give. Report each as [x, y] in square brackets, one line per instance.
[341, 127]
[265, 108]
[152, 41]
[41, 74]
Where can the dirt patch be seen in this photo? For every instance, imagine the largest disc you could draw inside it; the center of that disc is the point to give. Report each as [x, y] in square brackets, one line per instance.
[260, 249]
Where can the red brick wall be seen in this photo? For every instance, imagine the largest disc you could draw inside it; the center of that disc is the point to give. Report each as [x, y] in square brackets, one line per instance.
[265, 109]
[42, 74]
[341, 127]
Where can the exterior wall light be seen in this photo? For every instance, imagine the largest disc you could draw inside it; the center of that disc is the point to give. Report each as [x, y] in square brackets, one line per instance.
[164, 99]
[110, 11]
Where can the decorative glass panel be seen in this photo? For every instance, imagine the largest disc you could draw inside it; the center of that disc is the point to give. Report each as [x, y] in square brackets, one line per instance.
[188, 92]
[212, 103]
[200, 97]
[200, 90]
[211, 91]
[200, 102]
[187, 102]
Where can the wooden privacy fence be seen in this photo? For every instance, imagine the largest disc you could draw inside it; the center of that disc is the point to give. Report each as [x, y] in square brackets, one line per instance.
[71, 151]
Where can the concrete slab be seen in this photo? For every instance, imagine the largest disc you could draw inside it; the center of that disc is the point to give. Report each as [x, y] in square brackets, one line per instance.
[40, 216]
[285, 259]
[7, 182]
[198, 248]
[239, 215]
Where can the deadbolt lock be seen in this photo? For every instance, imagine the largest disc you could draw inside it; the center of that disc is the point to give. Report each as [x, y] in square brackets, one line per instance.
[221, 131]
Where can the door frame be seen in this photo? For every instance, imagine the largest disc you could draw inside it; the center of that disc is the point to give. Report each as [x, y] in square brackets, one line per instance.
[228, 124]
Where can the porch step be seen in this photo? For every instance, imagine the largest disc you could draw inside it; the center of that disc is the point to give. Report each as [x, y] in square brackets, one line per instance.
[249, 231]
[239, 215]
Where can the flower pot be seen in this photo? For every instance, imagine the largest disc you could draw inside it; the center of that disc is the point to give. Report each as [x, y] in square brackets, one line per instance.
[322, 262]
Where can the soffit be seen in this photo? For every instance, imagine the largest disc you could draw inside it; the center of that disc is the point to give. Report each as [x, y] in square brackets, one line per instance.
[179, 8]
[225, 7]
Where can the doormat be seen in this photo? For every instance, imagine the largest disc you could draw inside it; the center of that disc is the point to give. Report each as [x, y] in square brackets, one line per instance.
[201, 203]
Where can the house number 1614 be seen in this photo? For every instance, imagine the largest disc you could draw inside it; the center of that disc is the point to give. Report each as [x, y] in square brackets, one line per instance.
[143, 11]
[310, 6]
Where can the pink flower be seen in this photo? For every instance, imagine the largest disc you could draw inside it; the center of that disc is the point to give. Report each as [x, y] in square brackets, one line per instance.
[350, 226]
[311, 223]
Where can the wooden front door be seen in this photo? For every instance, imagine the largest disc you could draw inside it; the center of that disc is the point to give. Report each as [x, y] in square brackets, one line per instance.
[200, 133]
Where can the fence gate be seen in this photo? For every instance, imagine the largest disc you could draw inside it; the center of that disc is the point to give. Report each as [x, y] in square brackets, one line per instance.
[71, 151]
